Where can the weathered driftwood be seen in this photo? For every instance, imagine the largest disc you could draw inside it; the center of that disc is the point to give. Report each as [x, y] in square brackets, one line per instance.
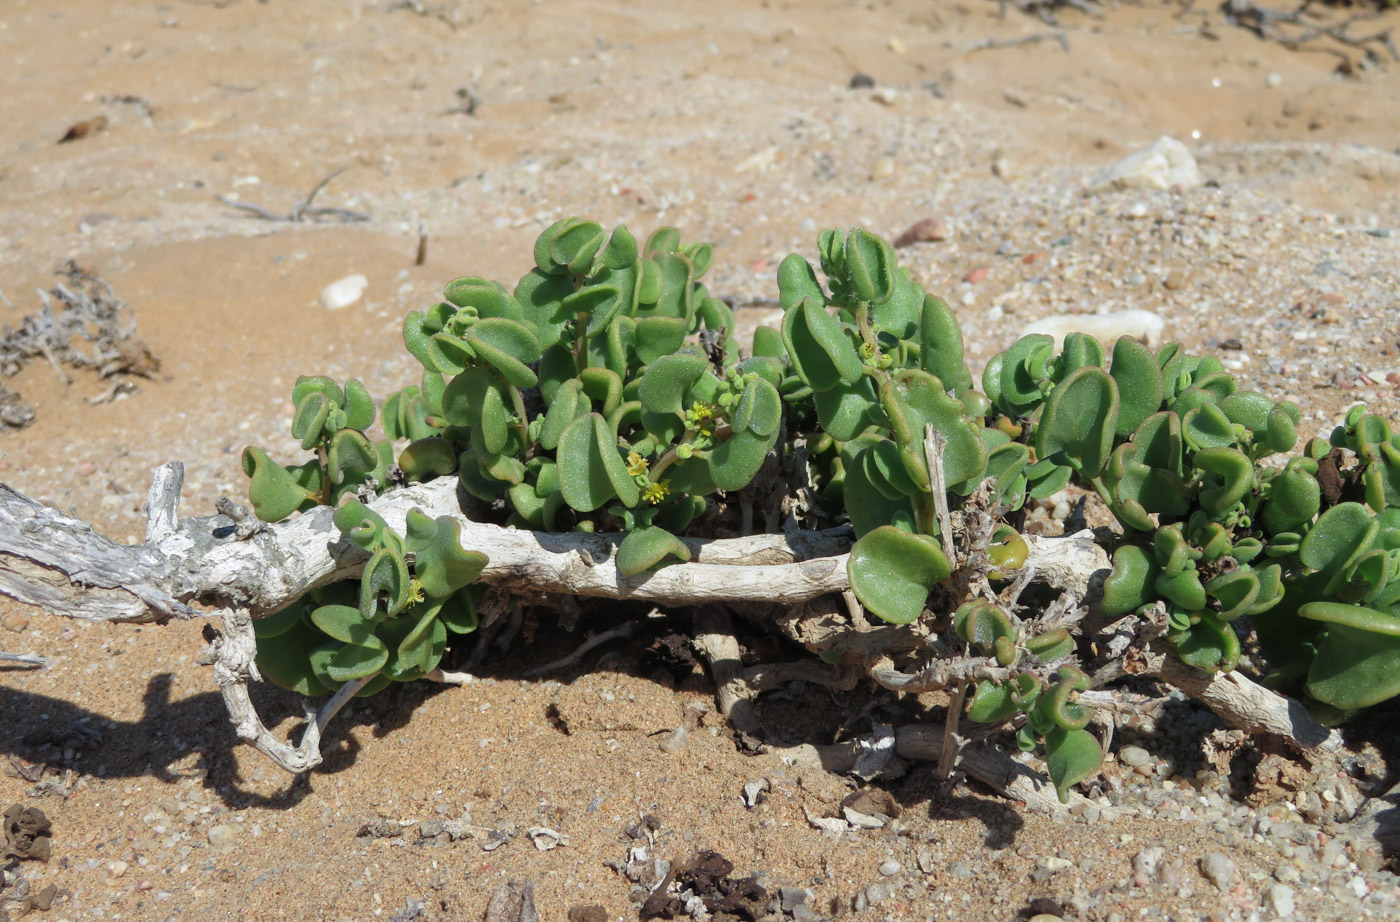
[232, 566]
[60, 564]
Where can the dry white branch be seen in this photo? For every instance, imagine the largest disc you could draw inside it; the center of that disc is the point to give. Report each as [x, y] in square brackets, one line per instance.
[924, 742]
[233, 654]
[1243, 703]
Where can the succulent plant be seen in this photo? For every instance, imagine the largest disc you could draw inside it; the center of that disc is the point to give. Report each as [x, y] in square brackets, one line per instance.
[603, 393]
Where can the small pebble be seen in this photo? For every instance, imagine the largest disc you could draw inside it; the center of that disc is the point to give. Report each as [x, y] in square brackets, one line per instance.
[1219, 870]
[676, 741]
[116, 868]
[890, 868]
[1133, 756]
[344, 292]
[223, 834]
[1280, 897]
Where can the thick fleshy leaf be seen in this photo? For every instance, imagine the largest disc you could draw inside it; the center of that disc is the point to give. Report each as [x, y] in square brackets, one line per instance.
[941, 342]
[1080, 420]
[1358, 661]
[892, 572]
[1139, 383]
[509, 346]
[348, 662]
[591, 471]
[657, 337]
[991, 703]
[760, 409]
[309, 421]
[676, 297]
[886, 471]
[821, 352]
[384, 586]
[428, 458]
[735, 461]
[666, 380]
[1294, 497]
[1021, 370]
[871, 270]
[598, 303]
[275, 491]
[867, 507]
[1340, 535]
[449, 353]
[1236, 591]
[844, 410]
[1157, 442]
[924, 402]
[350, 457]
[440, 563]
[568, 246]
[344, 623]
[622, 250]
[541, 298]
[644, 548]
[563, 410]
[1184, 589]
[1210, 645]
[465, 395]
[985, 628]
[285, 660]
[898, 317]
[1071, 756]
[602, 385]
[1230, 477]
[1207, 426]
[494, 427]
[1079, 351]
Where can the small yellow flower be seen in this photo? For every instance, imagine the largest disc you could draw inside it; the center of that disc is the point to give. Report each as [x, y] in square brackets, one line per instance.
[415, 592]
[636, 464]
[656, 492]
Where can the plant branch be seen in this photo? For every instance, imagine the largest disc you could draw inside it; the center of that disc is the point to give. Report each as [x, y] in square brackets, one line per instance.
[233, 654]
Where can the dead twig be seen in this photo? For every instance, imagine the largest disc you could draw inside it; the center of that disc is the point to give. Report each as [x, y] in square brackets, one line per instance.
[621, 632]
[26, 659]
[233, 653]
[302, 210]
[988, 44]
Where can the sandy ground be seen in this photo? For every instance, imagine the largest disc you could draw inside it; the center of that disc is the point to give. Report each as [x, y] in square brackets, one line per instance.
[734, 122]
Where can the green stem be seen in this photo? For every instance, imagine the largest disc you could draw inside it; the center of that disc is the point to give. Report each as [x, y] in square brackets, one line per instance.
[522, 426]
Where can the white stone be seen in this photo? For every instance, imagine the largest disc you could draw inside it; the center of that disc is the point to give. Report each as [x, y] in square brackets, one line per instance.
[344, 292]
[1106, 328]
[1281, 896]
[1165, 164]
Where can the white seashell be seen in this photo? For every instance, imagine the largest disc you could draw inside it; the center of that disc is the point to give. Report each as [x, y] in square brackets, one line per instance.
[1106, 328]
[344, 292]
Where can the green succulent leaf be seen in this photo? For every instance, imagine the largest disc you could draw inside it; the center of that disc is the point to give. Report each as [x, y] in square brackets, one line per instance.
[821, 352]
[309, 421]
[1209, 644]
[1080, 419]
[941, 343]
[509, 346]
[287, 662]
[384, 587]
[427, 458]
[923, 401]
[1139, 382]
[1071, 756]
[668, 379]
[991, 703]
[276, 491]
[441, 564]
[870, 267]
[1229, 477]
[1341, 534]
[735, 461]
[541, 299]
[591, 471]
[892, 572]
[645, 548]
[658, 337]
[1358, 661]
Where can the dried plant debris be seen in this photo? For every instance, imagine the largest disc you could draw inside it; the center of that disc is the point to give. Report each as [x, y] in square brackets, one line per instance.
[704, 881]
[82, 324]
[513, 902]
[27, 834]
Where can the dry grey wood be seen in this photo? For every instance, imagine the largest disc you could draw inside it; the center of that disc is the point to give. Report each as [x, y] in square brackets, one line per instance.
[924, 742]
[1247, 705]
[233, 653]
[60, 564]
